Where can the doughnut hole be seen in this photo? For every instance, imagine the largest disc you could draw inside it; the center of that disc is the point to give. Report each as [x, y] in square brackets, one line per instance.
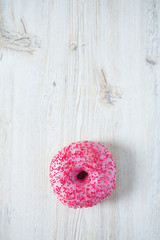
[82, 175]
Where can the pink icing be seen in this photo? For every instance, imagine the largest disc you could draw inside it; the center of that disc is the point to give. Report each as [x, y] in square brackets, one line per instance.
[83, 174]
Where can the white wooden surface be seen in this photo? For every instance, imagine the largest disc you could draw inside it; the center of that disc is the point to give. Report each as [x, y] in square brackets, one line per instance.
[79, 70]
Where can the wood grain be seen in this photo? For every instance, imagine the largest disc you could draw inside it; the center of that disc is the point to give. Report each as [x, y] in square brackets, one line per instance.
[70, 71]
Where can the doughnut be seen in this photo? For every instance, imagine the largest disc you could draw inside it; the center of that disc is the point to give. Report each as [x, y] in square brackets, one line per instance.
[83, 174]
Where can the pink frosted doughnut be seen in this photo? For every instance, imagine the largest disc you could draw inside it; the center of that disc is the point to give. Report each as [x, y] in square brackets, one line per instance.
[83, 174]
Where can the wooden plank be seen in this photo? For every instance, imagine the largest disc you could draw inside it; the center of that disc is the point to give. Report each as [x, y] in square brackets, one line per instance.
[70, 71]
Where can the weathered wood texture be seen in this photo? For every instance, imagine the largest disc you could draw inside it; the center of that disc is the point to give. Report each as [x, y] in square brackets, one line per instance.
[79, 70]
